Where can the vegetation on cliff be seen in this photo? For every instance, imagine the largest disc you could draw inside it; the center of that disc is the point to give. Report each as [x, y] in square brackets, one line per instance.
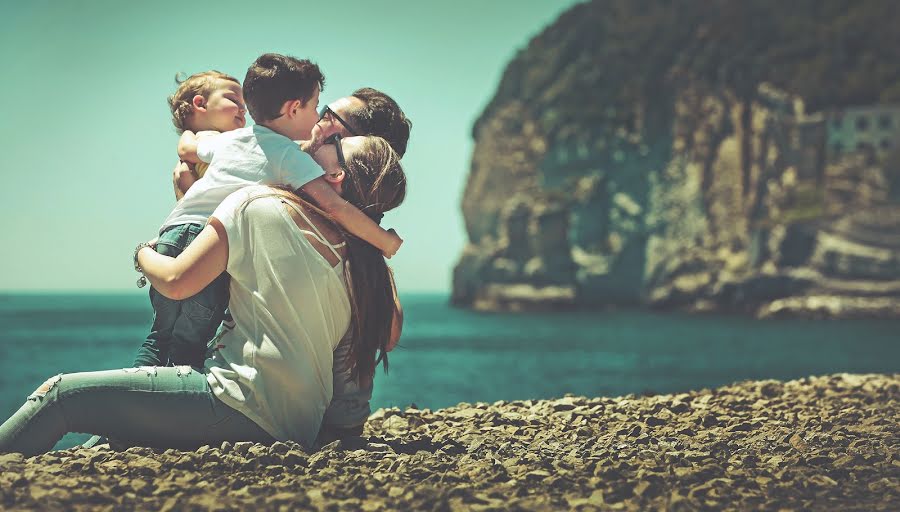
[830, 52]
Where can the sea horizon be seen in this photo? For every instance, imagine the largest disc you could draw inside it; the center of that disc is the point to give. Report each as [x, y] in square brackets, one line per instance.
[449, 355]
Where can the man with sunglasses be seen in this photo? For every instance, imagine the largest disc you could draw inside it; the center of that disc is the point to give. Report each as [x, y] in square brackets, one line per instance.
[366, 112]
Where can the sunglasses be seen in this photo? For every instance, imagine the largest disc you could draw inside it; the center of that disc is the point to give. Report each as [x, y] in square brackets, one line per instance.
[336, 141]
[326, 111]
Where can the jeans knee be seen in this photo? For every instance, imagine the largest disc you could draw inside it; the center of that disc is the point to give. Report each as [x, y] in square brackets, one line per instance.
[45, 388]
[149, 370]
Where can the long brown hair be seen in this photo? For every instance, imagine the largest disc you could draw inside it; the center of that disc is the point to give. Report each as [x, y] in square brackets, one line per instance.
[375, 183]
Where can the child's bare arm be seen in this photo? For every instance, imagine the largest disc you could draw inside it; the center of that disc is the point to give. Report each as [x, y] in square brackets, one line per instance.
[187, 147]
[182, 178]
[351, 218]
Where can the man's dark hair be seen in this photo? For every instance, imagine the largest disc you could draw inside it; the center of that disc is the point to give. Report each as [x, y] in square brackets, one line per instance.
[274, 79]
[381, 116]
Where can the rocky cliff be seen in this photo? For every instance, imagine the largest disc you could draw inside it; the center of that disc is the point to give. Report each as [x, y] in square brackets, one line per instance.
[693, 155]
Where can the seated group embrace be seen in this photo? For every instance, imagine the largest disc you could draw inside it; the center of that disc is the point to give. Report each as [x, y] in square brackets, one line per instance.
[273, 304]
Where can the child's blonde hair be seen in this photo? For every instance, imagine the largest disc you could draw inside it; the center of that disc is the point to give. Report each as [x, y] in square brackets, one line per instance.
[181, 103]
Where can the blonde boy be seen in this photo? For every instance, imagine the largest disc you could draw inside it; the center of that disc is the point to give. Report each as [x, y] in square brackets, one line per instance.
[207, 103]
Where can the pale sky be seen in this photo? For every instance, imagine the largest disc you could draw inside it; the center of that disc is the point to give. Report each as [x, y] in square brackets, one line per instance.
[88, 146]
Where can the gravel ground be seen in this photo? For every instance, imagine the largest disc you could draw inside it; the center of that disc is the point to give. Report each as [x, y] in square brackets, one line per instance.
[821, 443]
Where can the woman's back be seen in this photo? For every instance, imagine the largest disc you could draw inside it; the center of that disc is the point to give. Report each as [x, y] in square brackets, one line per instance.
[272, 377]
[291, 308]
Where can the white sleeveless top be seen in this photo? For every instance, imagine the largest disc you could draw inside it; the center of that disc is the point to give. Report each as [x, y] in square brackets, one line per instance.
[291, 309]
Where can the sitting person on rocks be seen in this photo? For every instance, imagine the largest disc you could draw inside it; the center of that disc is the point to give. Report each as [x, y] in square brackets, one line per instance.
[367, 111]
[299, 285]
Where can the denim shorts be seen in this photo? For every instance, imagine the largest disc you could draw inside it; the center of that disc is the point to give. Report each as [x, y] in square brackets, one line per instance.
[182, 328]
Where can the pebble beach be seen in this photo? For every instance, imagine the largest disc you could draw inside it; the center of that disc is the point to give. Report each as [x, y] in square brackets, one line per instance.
[819, 443]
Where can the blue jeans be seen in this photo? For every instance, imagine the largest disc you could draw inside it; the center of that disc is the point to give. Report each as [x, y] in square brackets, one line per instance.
[350, 404]
[169, 407]
[181, 328]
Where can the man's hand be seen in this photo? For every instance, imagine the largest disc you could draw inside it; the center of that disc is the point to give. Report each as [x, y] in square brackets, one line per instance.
[321, 131]
[395, 243]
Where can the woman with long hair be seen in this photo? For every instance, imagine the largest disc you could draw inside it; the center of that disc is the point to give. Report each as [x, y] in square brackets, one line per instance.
[299, 285]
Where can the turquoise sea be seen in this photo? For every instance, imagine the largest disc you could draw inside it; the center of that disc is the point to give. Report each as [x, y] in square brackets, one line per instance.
[447, 355]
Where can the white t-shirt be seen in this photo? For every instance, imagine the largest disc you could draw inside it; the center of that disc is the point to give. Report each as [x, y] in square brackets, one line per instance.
[291, 309]
[254, 155]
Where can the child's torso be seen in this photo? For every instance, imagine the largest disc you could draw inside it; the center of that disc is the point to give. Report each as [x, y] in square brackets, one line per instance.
[243, 157]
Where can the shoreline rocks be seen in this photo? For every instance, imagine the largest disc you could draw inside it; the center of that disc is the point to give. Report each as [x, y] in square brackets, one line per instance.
[819, 443]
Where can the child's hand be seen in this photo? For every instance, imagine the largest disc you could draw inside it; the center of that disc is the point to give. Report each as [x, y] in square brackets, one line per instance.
[319, 134]
[394, 243]
[326, 127]
[187, 147]
[182, 178]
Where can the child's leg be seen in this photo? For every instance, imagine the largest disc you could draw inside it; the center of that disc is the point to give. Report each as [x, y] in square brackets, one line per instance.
[157, 407]
[155, 351]
[196, 325]
[199, 318]
[227, 325]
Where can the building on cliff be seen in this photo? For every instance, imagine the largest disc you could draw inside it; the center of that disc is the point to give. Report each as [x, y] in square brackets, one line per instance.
[870, 127]
[821, 138]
